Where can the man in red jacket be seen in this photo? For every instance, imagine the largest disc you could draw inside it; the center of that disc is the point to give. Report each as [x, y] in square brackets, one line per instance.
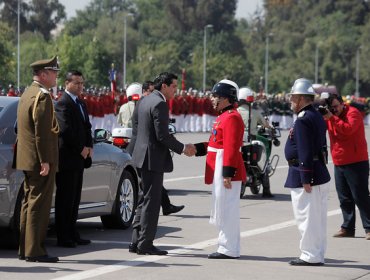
[351, 164]
[225, 169]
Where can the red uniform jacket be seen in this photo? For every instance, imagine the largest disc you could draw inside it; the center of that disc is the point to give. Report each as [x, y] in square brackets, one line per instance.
[227, 134]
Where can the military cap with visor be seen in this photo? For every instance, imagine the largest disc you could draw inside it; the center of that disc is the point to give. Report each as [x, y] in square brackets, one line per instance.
[46, 64]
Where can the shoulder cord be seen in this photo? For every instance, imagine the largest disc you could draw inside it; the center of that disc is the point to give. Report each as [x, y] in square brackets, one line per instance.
[55, 125]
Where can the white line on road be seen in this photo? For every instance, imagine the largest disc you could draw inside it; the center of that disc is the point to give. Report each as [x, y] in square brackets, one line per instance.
[183, 250]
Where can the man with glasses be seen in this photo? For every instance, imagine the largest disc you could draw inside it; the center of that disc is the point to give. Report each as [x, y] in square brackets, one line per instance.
[37, 155]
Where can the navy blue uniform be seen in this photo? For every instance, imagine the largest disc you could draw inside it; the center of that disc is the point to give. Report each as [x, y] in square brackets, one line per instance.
[306, 165]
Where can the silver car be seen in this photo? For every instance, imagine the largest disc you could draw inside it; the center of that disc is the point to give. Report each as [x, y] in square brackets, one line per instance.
[110, 185]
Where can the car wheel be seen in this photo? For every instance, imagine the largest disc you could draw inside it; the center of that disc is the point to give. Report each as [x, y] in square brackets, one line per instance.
[125, 204]
[15, 222]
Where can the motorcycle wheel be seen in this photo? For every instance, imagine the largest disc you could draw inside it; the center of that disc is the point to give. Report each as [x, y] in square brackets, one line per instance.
[255, 189]
[242, 189]
[266, 181]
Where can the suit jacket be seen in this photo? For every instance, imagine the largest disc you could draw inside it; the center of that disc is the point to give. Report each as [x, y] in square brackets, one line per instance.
[305, 145]
[37, 128]
[75, 132]
[153, 140]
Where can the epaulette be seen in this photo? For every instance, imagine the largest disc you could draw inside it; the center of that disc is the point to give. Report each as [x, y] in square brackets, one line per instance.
[301, 114]
[43, 90]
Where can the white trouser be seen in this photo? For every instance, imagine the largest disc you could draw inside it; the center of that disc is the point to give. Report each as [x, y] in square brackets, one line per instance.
[310, 212]
[225, 211]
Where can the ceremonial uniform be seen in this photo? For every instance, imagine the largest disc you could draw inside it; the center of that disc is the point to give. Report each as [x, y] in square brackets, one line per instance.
[37, 142]
[224, 159]
[304, 153]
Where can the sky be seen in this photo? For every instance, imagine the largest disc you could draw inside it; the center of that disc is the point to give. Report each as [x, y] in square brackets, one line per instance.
[245, 7]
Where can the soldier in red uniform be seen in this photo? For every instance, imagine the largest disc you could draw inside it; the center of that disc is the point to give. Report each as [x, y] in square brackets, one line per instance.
[225, 169]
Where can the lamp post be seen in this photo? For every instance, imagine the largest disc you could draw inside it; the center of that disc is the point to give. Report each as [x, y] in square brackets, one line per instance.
[317, 63]
[205, 55]
[124, 48]
[357, 92]
[18, 41]
[267, 62]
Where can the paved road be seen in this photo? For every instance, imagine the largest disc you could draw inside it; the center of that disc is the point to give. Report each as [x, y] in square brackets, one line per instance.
[269, 239]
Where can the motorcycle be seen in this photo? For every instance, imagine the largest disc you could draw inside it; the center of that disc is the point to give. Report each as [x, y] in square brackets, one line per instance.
[121, 136]
[256, 156]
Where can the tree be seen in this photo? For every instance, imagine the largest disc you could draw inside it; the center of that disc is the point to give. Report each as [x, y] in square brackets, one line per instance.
[7, 61]
[37, 16]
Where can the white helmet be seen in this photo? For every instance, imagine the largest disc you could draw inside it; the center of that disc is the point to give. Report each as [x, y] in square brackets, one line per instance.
[302, 86]
[245, 93]
[135, 90]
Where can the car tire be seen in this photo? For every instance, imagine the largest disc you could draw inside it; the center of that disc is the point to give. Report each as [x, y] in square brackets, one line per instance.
[124, 205]
[13, 241]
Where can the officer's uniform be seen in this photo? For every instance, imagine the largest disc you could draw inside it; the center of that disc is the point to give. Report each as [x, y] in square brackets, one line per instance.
[304, 153]
[37, 142]
[224, 159]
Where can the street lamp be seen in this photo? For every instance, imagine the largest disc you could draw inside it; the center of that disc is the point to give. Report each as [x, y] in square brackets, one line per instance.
[205, 55]
[357, 92]
[317, 63]
[267, 62]
[124, 47]
[18, 41]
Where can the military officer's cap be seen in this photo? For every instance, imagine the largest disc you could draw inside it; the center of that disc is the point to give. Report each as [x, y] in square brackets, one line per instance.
[46, 64]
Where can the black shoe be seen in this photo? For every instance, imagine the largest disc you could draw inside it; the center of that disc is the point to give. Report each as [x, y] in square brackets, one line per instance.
[172, 209]
[152, 251]
[43, 259]
[21, 257]
[132, 248]
[81, 241]
[67, 244]
[299, 262]
[220, 256]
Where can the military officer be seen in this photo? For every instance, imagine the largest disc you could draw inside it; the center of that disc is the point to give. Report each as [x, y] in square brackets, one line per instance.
[225, 169]
[37, 156]
[308, 177]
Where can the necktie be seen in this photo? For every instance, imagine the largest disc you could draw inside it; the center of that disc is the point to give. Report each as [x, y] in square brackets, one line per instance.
[79, 104]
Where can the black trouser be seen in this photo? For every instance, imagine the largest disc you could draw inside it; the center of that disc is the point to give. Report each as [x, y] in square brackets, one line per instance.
[147, 212]
[67, 201]
[351, 182]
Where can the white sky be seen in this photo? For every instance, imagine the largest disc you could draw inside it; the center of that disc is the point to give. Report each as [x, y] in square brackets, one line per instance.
[245, 7]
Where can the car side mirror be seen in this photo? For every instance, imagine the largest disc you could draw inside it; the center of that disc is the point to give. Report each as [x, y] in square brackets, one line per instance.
[101, 135]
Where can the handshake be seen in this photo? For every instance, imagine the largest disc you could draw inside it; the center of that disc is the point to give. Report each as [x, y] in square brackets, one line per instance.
[190, 150]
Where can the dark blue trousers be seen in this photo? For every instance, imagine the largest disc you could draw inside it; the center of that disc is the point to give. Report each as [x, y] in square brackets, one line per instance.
[352, 184]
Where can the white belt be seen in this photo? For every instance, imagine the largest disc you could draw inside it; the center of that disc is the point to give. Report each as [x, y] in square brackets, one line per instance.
[212, 149]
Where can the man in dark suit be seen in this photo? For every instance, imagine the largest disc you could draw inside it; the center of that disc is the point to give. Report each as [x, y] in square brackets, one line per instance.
[167, 207]
[151, 154]
[75, 149]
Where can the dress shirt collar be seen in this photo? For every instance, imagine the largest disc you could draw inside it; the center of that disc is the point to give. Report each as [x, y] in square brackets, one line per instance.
[74, 97]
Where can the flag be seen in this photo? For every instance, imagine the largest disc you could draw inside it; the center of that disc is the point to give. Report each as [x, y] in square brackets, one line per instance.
[112, 78]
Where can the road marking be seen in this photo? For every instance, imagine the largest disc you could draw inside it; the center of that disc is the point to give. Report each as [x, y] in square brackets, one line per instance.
[202, 176]
[183, 250]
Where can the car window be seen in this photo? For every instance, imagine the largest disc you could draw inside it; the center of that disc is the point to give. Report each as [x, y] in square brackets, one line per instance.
[7, 123]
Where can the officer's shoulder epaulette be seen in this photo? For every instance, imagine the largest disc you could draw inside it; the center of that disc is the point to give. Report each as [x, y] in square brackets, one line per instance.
[43, 90]
[301, 114]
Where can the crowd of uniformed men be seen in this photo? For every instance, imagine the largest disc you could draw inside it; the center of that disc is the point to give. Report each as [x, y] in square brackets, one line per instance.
[191, 110]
